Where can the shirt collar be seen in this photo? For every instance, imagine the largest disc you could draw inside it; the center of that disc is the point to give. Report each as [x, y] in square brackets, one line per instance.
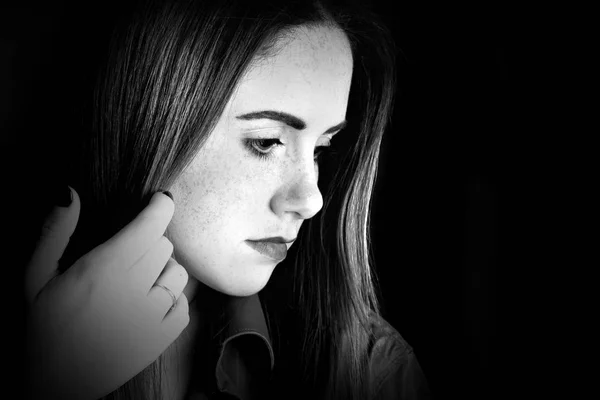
[243, 316]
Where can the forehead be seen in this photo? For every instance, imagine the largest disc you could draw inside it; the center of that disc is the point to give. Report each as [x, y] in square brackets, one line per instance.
[310, 74]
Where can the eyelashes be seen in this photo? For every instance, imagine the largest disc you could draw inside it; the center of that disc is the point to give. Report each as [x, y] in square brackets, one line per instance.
[321, 151]
[263, 148]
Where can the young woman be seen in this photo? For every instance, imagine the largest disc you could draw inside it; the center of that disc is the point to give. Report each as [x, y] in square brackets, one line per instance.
[263, 120]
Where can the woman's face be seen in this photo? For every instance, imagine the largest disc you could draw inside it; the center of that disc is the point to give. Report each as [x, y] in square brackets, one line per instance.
[256, 176]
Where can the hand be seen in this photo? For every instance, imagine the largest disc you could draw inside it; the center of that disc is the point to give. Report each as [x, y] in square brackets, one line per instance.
[97, 325]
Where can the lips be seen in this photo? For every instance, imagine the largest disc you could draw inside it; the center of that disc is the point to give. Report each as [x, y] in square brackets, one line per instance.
[272, 250]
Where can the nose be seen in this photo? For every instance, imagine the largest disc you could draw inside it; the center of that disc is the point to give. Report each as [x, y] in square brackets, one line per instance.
[300, 195]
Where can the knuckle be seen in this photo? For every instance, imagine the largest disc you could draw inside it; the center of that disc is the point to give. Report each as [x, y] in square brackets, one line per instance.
[183, 308]
[180, 272]
[90, 263]
[184, 316]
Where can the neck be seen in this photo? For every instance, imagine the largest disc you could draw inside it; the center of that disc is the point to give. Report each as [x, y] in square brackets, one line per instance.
[199, 293]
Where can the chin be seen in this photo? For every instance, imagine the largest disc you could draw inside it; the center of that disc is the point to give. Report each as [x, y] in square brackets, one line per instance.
[245, 292]
[243, 287]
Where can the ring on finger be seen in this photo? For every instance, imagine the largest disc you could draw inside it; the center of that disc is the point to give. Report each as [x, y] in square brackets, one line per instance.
[173, 297]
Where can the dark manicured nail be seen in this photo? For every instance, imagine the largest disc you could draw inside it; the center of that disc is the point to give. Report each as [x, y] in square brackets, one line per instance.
[168, 194]
[63, 196]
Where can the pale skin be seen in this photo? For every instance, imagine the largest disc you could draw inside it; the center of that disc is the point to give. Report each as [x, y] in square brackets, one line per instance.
[226, 196]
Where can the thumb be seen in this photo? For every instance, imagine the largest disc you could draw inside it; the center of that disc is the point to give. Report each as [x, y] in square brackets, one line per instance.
[56, 231]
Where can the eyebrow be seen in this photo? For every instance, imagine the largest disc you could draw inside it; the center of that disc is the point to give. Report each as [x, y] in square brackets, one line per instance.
[288, 119]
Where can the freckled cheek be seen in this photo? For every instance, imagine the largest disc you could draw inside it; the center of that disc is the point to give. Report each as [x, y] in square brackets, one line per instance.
[244, 177]
[222, 193]
[226, 189]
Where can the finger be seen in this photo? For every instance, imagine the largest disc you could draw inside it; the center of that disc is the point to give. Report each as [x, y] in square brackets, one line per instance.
[177, 319]
[148, 268]
[174, 278]
[137, 237]
[56, 231]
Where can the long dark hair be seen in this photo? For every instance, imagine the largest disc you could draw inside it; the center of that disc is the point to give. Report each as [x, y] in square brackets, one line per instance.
[165, 76]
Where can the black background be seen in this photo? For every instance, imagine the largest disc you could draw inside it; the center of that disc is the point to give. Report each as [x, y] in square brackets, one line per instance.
[453, 206]
[436, 211]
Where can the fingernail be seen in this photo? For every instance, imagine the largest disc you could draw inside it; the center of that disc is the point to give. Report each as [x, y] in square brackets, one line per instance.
[63, 196]
[168, 194]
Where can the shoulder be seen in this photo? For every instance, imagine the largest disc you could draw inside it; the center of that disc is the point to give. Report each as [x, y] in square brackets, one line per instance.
[395, 372]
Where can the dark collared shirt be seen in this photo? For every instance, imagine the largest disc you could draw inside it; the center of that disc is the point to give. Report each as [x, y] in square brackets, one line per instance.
[246, 358]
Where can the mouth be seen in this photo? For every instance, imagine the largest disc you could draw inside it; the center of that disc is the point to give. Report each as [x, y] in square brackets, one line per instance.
[276, 239]
[273, 248]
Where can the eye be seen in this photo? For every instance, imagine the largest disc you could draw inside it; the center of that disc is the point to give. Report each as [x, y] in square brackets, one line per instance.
[319, 151]
[322, 150]
[265, 145]
[262, 147]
